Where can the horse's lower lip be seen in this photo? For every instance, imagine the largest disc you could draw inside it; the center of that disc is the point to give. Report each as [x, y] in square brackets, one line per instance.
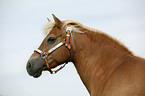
[38, 73]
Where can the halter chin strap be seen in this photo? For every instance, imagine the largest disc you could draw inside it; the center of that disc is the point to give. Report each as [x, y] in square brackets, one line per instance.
[66, 42]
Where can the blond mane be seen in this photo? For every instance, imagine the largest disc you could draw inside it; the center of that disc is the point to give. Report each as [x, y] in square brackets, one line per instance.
[47, 28]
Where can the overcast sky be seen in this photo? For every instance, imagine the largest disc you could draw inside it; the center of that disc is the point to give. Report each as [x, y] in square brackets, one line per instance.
[21, 23]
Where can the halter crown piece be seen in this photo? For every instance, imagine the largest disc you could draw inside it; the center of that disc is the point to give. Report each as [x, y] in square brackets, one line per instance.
[66, 42]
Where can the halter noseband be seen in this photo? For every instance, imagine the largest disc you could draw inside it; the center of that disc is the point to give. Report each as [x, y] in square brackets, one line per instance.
[66, 42]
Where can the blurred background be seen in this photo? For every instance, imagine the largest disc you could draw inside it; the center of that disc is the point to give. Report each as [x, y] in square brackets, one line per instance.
[21, 23]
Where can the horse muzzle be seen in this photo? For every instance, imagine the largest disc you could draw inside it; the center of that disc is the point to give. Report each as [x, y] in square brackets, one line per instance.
[35, 67]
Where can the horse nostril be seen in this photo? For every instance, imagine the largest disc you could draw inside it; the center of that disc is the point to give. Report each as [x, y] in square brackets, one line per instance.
[29, 65]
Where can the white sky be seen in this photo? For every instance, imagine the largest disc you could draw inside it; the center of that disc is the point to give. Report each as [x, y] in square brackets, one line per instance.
[21, 23]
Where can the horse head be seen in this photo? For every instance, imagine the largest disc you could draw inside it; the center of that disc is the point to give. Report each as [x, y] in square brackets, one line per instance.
[53, 51]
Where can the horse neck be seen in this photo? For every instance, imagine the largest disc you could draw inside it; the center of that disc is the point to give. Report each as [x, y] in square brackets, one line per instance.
[93, 53]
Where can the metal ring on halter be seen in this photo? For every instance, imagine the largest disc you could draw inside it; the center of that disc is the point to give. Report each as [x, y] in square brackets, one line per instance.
[44, 55]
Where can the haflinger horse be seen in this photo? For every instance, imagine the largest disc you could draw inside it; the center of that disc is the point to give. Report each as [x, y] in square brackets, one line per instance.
[106, 66]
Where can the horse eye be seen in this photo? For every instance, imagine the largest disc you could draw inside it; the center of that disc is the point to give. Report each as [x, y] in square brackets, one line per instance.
[51, 40]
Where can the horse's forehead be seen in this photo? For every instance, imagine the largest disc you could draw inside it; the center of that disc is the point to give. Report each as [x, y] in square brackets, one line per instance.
[55, 31]
[52, 28]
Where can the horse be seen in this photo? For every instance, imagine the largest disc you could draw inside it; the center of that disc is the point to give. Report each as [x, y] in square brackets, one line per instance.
[105, 66]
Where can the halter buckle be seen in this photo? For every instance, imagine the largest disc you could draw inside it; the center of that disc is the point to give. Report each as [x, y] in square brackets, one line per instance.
[69, 28]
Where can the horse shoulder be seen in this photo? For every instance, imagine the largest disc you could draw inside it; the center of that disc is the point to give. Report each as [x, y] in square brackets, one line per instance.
[128, 79]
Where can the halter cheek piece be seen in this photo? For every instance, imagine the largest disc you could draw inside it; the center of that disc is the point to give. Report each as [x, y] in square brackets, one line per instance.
[66, 42]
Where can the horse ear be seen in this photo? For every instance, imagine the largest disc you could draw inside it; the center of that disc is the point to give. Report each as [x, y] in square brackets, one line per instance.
[57, 21]
[48, 19]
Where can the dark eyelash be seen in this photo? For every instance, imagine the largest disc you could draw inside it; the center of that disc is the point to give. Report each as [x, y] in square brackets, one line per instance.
[51, 40]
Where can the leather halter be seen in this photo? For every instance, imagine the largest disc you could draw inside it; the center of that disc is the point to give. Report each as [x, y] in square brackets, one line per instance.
[66, 42]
